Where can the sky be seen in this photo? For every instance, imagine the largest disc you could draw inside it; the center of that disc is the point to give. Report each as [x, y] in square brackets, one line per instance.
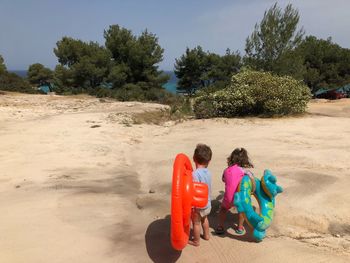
[29, 29]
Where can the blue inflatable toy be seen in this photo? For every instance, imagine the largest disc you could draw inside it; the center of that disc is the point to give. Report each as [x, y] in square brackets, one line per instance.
[265, 191]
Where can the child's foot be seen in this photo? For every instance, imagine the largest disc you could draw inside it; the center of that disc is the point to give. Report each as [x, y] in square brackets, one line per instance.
[240, 231]
[193, 243]
[219, 230]
[205, 237]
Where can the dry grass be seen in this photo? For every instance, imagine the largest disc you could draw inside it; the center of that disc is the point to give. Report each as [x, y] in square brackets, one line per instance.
[158, 117]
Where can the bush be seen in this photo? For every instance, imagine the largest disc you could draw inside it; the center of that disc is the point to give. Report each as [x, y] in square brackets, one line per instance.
[100, 92]
[129, 92]
[136, 92]
[180, 109]
[13, 82]
[218, 85]
[180, 106]
[254, 93]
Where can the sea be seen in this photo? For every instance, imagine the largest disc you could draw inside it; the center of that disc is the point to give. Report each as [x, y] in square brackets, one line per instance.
[172, 82]
[170, 85]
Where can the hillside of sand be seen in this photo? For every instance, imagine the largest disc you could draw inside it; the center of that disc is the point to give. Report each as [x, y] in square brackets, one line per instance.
[81, 182]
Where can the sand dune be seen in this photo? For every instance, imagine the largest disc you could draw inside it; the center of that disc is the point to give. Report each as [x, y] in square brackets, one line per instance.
[75, 175]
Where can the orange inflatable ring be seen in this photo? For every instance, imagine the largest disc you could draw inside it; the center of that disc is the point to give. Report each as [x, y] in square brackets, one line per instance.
[184, 195]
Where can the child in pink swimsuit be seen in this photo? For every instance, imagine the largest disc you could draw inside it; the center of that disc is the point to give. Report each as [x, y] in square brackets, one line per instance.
[237, 161]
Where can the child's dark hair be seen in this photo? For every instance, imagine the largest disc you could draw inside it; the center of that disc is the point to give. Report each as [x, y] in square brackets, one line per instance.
[240, 157]
[202, 154]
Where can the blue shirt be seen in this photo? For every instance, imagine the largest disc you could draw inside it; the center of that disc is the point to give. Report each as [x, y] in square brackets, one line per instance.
[202, 175]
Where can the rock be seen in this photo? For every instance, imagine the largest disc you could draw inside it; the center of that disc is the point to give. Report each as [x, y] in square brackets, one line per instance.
[18, 186]
[138, 204]
[95, 126]
[151, 191]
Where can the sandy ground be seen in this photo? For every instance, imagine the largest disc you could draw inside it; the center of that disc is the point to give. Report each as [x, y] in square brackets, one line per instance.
[75, 176]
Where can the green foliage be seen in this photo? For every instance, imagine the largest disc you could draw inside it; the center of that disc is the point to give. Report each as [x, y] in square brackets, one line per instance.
[189, 68]
[180, 109]
[119, 41]
[229, 64]
[197, 69]
[63, 80]
[129, 92]
[135, 59]
[127, 62]
[254, 93]
[87, 64]
[13, 82]
[135, 92]
[271, 45]
[327, 64]
[119, 74]
[37, 74]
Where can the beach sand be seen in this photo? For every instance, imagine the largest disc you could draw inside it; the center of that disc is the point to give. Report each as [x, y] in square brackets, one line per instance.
[76, 175]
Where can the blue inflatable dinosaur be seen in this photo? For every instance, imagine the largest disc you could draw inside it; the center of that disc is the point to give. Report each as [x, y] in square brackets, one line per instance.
[265, 191]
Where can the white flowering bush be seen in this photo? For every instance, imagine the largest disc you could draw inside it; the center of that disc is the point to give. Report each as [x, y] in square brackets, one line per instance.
[254, 93]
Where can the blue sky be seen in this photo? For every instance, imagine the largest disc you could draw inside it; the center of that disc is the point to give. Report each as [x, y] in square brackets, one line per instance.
[29, 29]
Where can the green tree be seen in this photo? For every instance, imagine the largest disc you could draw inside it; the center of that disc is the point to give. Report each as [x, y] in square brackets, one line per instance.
[226, 66]
[119, 74]
[37, 73]
[147, 54]
[13, 82]
[63, 79]
[189, 69]
[119, 41]
[197, 69]
[135, 59]
[327, 64]
[63, 75]
[271, 45]
[88, 63]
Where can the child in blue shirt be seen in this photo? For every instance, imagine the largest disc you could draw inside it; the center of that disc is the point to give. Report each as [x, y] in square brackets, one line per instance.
[202, 156]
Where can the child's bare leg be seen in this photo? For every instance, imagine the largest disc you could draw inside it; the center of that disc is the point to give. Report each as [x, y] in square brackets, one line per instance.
[205, 226]
[196, 221]
[240, 220]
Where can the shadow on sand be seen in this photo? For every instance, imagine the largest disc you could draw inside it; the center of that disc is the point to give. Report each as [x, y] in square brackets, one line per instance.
[158, 244]
[157, 236]
[230, 222]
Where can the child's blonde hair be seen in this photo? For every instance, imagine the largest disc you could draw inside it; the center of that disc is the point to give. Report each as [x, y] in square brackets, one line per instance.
[240, 157]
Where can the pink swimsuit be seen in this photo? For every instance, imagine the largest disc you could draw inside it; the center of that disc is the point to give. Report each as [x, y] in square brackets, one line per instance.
[232, 177]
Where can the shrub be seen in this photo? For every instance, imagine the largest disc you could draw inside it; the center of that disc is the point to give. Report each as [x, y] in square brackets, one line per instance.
[129, 92]
[101, 92]
[13, 82]
[179, 110]
[137, 92]
[254, 93]
[216, 86]
[158, 117]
